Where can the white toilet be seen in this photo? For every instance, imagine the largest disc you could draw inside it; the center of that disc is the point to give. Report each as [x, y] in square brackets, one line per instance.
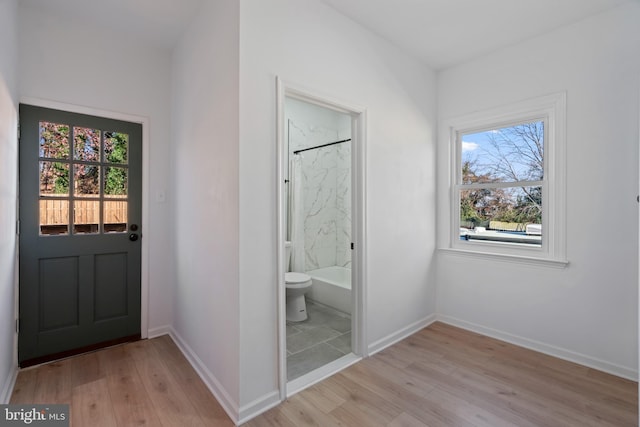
[297, 284]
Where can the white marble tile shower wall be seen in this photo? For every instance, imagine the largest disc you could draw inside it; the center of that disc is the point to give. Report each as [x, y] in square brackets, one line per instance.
[319, 173]
[319, 191]
[343, 204]
[326, 175]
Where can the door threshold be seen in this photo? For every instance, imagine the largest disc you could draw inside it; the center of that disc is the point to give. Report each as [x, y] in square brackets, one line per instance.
[69, 353]
[307, 380]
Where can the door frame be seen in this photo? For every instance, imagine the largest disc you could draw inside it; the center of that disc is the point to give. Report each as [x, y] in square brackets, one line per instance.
[359, 225]
[144, 121]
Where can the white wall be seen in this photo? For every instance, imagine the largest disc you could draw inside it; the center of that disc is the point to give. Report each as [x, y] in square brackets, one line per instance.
[71, 61]
[588, 311]
[205, 165]
[310, 45]
[8, 194]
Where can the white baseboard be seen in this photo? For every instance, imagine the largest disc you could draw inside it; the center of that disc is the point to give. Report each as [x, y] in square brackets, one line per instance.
[9, 383]
[159, 331]
[258, 406]
[541, 347]
[219, 392]
[400, 335]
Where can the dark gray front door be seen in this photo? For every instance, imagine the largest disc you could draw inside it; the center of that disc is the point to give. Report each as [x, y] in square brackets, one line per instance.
[80, 230]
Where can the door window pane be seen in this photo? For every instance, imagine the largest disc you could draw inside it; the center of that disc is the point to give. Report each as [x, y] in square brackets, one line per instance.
[116, 145]
[54, 140]
[86, 144]
[82, 170]
[115, 216]
[86, 216]
[54, 217]
[115, 182]
[86, 180]
[54, 179]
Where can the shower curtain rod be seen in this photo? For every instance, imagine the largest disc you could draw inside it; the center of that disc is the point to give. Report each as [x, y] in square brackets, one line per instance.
[320, 146]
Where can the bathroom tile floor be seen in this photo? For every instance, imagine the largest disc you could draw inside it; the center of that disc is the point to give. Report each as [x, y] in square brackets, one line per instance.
[324, 337]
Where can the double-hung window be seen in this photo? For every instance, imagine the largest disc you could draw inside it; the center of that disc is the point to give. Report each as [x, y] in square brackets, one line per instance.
[506, 194]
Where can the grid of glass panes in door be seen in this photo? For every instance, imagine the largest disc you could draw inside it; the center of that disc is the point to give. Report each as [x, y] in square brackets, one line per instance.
[83, 180]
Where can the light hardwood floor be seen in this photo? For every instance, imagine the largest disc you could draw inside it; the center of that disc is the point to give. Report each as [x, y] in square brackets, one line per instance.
[445, 376]
[144, 383]
[441, 376]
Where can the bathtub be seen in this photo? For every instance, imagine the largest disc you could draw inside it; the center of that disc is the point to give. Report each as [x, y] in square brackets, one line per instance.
[331, 287]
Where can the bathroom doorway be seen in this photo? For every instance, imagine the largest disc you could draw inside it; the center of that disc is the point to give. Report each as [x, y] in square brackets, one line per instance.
[321, 222]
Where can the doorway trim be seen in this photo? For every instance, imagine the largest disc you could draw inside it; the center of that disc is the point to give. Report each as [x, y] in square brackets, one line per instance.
[144, 121]
[359, 224]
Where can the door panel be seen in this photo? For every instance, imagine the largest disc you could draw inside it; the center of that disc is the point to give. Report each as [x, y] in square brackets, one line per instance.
[58, 293]
[110, 286]
[80, 203]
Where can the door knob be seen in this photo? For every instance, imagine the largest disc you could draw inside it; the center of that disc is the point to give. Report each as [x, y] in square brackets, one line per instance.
[133, 237]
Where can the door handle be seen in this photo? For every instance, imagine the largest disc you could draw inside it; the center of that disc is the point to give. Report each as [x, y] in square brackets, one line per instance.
[133, 237]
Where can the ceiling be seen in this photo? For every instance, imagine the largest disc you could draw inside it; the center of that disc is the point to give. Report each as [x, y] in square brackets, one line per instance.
[441, 33]
[159, 22]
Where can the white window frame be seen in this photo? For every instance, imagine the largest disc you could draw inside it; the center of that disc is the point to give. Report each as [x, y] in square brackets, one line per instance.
[550, 109]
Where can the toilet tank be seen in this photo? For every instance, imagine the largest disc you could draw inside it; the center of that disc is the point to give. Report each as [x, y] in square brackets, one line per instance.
[287, 255]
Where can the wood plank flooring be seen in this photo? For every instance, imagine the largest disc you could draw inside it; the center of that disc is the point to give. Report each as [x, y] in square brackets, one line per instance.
[144, 383]
[445, 376]
[440, 376]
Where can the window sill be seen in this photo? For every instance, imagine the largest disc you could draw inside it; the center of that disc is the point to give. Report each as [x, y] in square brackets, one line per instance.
[527, 260]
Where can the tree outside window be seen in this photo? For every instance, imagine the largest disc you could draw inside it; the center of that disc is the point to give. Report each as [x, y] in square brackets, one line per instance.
[501, 183]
